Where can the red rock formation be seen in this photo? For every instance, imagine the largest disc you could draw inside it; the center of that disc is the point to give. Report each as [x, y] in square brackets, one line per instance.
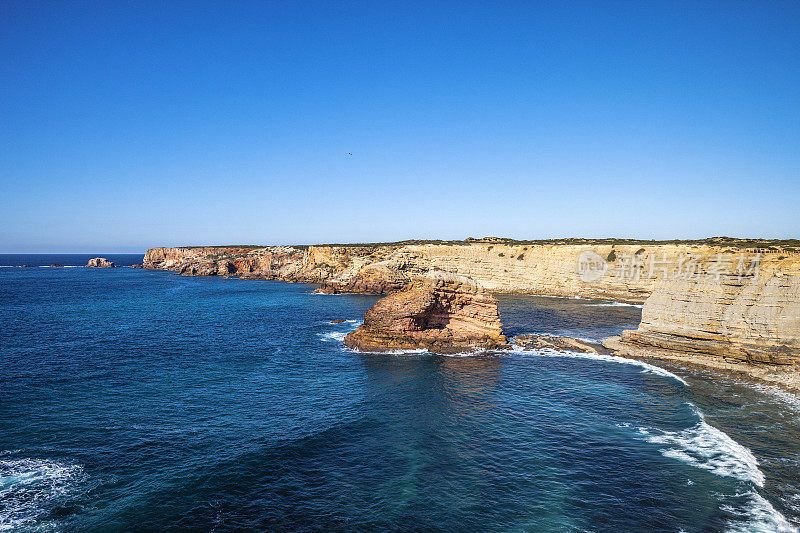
[441, 315]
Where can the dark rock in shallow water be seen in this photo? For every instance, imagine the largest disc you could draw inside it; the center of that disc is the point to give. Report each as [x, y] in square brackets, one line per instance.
[137, 266]
[56, 265]
[100, 262]
[553, 343]
[337, 321]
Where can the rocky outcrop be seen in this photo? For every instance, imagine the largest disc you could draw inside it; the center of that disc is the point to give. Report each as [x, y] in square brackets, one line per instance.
[100, 262]
[547, 342]
[753, 318]
[56, 265]
[441, 314]
[784, 376]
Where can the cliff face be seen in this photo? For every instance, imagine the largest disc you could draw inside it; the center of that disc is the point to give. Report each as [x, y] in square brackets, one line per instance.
[750, 318]
[443, 314]
[267, 263]
[631, 272]
[628, 273]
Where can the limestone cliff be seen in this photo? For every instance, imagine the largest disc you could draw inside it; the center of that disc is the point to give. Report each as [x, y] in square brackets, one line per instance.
[630, 272]
[442, 314]
[751, 318]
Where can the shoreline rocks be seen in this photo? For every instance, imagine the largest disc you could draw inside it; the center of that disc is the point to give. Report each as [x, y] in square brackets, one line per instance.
[100, 262]
[530, 342]
[439, 314]
[783, 376]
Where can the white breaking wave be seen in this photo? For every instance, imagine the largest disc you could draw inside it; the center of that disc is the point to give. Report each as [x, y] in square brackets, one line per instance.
[757, 515]
[616, 304]
[331, 336]
[789, 399]
[706, 447]
[28, 486]
[338, 336]
[646, 367]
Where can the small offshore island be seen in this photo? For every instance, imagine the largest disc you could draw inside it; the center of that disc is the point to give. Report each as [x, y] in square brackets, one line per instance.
[722, 303]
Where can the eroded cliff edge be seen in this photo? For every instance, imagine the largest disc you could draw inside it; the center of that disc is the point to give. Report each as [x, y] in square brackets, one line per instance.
[749, 323]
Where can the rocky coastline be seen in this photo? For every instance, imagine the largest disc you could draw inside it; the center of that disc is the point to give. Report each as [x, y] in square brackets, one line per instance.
[781, 376]
[741, 316]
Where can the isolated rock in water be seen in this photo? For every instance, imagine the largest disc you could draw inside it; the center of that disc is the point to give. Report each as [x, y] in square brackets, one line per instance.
[553, 343]
[56, 265]
[338, 321]
[442, 314]
[100, 262]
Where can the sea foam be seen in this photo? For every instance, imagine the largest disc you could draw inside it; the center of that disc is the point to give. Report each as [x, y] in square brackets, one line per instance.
[706, 447]
[28, 487]
[616, 304]
[646, 367]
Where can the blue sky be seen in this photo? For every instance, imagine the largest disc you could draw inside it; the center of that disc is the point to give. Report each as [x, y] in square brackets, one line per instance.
[125, 125]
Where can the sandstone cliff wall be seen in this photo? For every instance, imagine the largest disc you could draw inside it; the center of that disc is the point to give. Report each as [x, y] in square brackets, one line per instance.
[552, 270]
[752, 318]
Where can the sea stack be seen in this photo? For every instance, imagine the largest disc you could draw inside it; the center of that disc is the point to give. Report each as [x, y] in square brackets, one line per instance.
[100, 262]
[442, 313]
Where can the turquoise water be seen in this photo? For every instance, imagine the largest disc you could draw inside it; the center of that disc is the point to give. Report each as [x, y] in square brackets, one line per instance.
[143, 401]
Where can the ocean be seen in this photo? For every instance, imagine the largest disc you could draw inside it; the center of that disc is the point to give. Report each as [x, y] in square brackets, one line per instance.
[135, 400]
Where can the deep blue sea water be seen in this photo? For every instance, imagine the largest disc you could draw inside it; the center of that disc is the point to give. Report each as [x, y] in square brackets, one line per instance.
[135, 400]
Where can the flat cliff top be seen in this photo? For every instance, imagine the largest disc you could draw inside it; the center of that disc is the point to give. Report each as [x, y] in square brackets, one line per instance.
[788, 245]
[784, 244]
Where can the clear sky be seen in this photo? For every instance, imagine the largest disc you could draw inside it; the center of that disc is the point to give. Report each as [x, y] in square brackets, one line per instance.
[125, 125]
